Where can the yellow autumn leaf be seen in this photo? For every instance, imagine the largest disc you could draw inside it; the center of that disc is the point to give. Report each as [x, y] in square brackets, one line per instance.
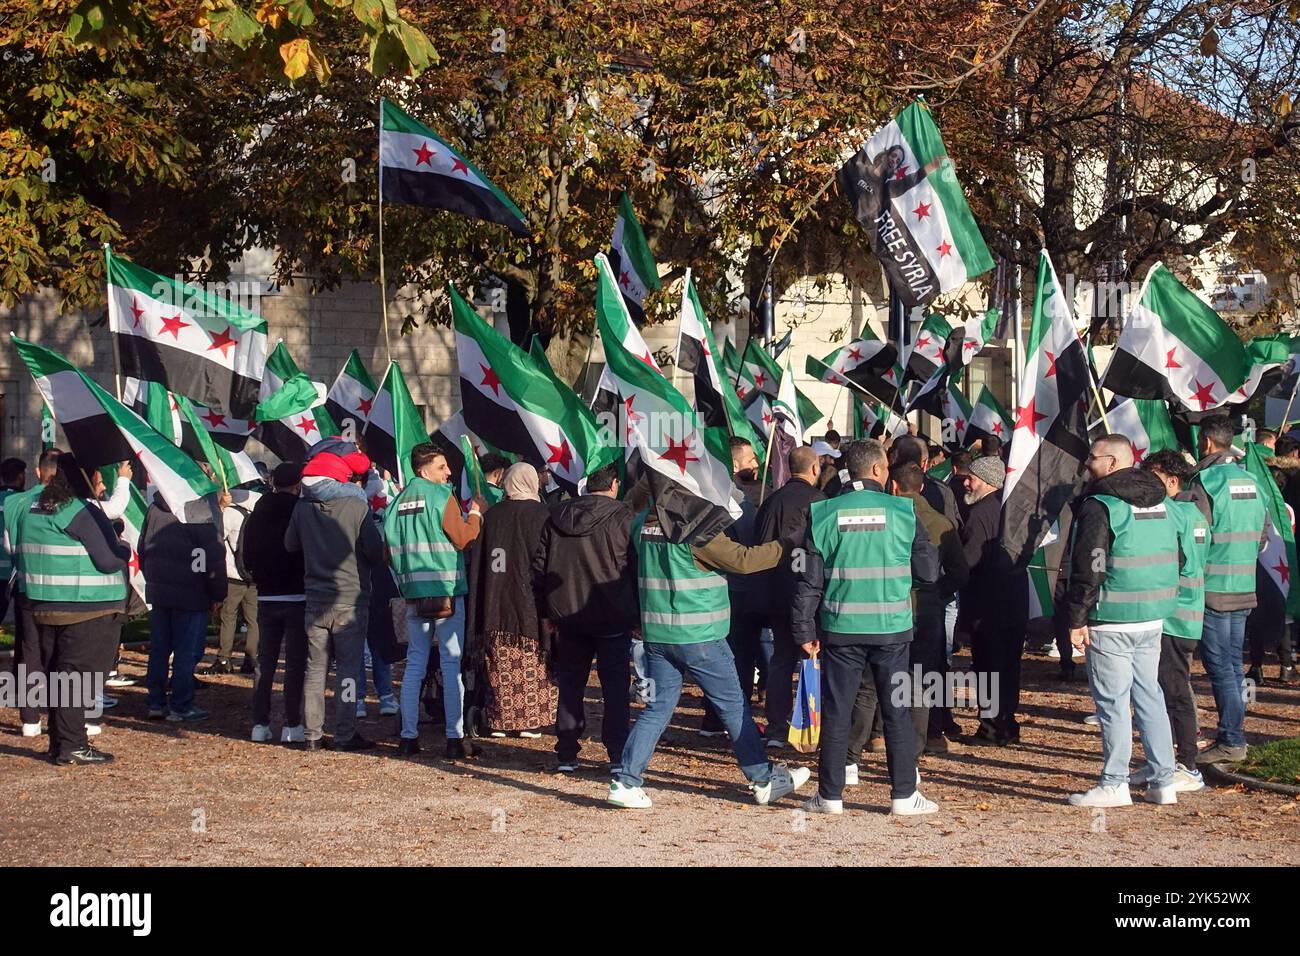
[296, 55]
[270, 13]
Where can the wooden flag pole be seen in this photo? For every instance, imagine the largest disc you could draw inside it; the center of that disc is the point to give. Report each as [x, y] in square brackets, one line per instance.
[1289, 402]
[767, 457]
[112, 334]
[383, 285]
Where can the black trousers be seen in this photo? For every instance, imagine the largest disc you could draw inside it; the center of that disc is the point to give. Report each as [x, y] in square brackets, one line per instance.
[928, 652]
[743, 638]
[1175, 677]
[573, 654]
[843, 667]
[76, 665]
[996, 649]
[27, 650]
[1266, 628]
[786, 655]
[280, 624]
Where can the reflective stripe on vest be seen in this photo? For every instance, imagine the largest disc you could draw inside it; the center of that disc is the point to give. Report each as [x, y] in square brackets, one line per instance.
[1237, 523]
[680, 602]
[1194, 545]
[1142, 566]
[57, 567]
[865, 540]
[425, 562]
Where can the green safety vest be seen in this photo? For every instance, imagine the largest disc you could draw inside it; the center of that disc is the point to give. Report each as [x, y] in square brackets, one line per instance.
[1194, 543]
[6, 561]
[425, 562]
[56, 566]
[1142, 566]
[865, 539]
[680, 603]
[1236, 524]
[16, 506]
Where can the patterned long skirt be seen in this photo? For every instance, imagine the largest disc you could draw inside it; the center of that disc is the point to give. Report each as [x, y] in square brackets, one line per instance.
[520, 692]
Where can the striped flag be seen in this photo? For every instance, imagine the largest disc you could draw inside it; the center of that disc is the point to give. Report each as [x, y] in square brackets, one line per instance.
[866, 362]
[394, 427]
[292, 408]
[1278, 557]
[177, 419]
[928, 351]
[132, 529]
[759, 371]
[419, 167]
[988, 419]
[904, 192]
[190, 341]
[697, 355]
[1144, 422]
[352, 394]
[102, 431]
[957, 411]
[630, 258]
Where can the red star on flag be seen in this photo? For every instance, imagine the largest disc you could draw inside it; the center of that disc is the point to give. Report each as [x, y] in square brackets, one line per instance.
[423, 155]
[624, 278]
[1204, 394]
[490, 379]
[902, 172]
[969, 345]
[1282, 570]
[560, 454]
[173, 325]
[137, 312]
[1029, 417]
[960, 424]
[307, 425]
[363, 406]
[997, 429]
[213, 419]
[648, 360]
[1138, 453]
[134, 563]
[945, 249]
[922, 210]
[172, 398]
[458, 165]
[923, 341]
[855, 354]
[631, 416]
[1169, 359]
[758, 380]
[1051, 364]
[740, 389]
[678, 453]
[378, 502]
[224, 341]
[767, 418]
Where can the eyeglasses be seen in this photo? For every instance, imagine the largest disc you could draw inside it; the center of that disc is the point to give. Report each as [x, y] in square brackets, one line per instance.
[1099, 457]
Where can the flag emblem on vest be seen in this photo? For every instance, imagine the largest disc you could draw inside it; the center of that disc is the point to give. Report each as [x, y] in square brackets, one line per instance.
[1241, 491]
[652, 531]
[1155, 511]
[407, 508]
[868, 519]
[1201, 535]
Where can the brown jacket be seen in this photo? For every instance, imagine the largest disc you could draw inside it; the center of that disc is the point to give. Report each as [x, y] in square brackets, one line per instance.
[952, 557]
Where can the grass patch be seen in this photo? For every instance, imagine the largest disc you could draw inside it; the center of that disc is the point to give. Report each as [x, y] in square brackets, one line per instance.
[1276, 762]
[6, 639]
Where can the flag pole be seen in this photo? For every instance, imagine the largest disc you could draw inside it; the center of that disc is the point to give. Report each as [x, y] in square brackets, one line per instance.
[1289, 401]
[117, 358]
[767, 457]
[383, 285]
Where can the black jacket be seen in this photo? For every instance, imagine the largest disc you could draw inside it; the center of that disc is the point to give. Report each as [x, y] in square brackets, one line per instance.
[275, 570]
[500, 573]
[581, 574]
[170, 550]
[1093, 537]
[991, 593]
[940, 497]
[811, 582]
[784, 515]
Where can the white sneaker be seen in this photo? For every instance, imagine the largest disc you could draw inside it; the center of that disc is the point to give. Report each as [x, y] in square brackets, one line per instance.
[93, 730]
[389, 708]
[261, 733]
[819, 804]
[292, 735]
[851, 775]
[32, 730]
[783, 780]
[530, 735]
[1162, 796]
[627, 798]
[913, 806]
[497, 733]
[1092, 720]
[1054, 652]
[1116, 796]
[1187, 781]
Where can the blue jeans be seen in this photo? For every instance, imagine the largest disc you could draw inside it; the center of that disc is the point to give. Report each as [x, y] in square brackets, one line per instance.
[381, 670]
[711, 665]
[1123, 668]
[949, 627]
[1222, 639]
[177, 637]
[450, 632]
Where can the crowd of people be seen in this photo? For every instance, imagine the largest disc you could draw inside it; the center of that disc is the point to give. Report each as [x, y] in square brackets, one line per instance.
[880, 559]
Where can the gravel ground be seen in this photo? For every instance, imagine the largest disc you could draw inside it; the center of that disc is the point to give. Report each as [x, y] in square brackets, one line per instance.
[203, 794]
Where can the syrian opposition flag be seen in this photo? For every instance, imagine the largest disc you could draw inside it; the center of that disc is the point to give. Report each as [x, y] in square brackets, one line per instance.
[988, 419]
[660, 423]
[760, 372]
[177, 419]
[394, 427]
[1278, 557]
[292, 408]
[537, 352]
[758, 412]
[957, 411]
[1268, 356]
[472, 481]
[928, 352]
[630, 258]
[508, 400]
[904, 192]
[873, 420]
[1145, 422]
[697, 354]
[1042, 602]
[351, 395]
[1174, 346]
[447, 439]
[132, 529]
[102, 431]
[786, 431]
[1049, 443]
[976, 334]
[866, 362]
[419, 167]
[624, 332]
[730, 360]
[190, 341]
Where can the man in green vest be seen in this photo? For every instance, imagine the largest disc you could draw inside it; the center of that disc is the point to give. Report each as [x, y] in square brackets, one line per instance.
[685, 616]
[1122, 587]
[27, 640]
[1182, 632]
[1232, 505]
[864, 550]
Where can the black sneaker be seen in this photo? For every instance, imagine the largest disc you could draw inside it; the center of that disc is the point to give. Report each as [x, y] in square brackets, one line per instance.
[355, 742]
[248, 667]
[1256, 675]
[86, 755]
[219, 666]
[408, 747]
[1286, 675]
[458, 748]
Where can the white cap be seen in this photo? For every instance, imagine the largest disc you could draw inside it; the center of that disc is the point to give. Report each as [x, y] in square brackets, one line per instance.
[821, 448]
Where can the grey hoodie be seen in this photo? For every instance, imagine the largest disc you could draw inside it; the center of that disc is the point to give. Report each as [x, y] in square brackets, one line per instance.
[339, 541]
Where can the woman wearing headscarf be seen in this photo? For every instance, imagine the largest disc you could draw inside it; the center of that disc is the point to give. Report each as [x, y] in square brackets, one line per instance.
[506, 643]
